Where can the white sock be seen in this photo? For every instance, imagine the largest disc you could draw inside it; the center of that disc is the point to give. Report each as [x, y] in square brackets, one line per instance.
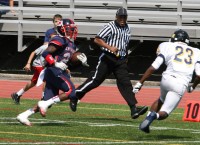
[53, 100]
[28, 113]
[20, 92]
[157, 115]
[148, 113]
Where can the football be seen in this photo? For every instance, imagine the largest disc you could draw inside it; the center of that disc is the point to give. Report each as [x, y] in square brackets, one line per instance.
[74, 58]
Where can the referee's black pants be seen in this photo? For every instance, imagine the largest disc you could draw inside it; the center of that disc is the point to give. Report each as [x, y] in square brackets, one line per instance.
[108, 64]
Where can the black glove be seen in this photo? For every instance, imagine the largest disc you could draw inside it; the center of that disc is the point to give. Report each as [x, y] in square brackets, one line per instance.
[190, 89]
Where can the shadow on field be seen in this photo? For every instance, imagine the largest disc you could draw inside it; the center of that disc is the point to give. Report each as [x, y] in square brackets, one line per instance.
[108, 119]
[162, 137]
[57, 124]
[166, 137]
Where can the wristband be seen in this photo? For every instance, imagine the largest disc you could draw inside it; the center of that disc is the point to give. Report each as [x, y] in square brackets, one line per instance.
[49, 59]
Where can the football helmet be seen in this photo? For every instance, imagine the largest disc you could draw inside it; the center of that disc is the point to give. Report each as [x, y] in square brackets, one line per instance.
[180, 35]
[67, 28]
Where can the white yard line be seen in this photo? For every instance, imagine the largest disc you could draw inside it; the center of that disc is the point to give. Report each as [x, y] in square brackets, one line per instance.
[7, 120]
[4, 120]
[128, 142]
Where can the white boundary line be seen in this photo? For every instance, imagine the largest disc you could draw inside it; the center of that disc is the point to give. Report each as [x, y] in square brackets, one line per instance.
[48, 121]
[2, 120]
[128, 142]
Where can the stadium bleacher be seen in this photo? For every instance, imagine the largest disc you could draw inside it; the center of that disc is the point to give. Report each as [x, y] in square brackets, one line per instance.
[151, 22]
[149, 19]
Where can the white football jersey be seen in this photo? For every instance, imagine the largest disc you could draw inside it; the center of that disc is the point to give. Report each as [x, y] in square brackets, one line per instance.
[181, 60]
[39, 60]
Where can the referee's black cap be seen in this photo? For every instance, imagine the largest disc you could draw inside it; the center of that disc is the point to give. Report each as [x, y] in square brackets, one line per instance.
[121, 12]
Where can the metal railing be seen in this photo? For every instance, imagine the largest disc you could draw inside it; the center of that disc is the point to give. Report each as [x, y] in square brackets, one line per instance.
[156, 20]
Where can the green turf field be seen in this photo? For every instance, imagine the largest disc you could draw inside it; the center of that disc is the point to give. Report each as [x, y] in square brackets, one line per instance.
[91, 124]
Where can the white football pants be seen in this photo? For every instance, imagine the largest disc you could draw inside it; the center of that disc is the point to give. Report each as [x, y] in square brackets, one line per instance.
[171, 91]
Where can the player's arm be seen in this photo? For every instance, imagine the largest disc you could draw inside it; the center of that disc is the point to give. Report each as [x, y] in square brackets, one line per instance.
[160, 59]
[155, 65]
[99, 39]
[47, 54]
[55, 44]
[197, 78]
[28, 64]
[102, 43]
[147, 74]
[196, 81]
[32, 55]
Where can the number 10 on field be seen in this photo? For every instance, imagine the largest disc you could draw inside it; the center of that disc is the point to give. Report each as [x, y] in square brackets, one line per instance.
[192, 111]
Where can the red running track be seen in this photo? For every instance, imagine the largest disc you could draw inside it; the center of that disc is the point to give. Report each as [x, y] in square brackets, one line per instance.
[103, 94]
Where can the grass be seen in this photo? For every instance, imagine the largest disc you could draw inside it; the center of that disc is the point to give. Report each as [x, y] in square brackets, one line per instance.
[91, 124]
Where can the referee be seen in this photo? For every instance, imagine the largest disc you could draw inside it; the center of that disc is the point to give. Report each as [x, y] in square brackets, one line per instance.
[113, 40]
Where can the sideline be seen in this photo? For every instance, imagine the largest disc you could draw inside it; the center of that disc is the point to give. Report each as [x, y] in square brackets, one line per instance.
[92, 140]
[4, 76]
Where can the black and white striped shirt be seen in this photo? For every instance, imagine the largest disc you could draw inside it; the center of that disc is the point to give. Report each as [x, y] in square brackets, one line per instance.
[116, 36]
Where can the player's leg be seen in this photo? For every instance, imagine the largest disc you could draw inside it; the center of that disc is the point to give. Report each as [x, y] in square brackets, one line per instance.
[49, 92]
[172, 91]
[43, 88]
[102, 70]
[49, 98]
[61, 82]
[176, 89]
[170, 103]
[152, 115]
[17, 95]
[156, 105]
[68, 89]
[125, 87]
[23, 117]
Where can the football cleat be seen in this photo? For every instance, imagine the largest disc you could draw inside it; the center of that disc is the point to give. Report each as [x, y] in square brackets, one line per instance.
[15, 98]
[137, 111]
[43, 108]
[144, 126]
[73, 104]
[23, 120]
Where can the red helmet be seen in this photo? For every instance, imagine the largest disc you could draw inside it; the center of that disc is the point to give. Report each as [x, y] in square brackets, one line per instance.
[67, 28]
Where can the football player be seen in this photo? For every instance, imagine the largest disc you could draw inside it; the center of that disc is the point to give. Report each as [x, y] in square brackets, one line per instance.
[38, 63]
[52, 31]
[37, 66]
[57, 55]
[181, 60]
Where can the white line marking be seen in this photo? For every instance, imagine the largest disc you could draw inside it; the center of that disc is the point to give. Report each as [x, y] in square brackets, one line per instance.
[48, 121]
[128, 142]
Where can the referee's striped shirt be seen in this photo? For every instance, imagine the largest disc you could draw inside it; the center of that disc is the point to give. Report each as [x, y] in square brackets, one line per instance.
[116, 36]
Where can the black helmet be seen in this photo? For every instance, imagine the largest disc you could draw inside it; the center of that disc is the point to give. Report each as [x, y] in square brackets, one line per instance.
[180, 35]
